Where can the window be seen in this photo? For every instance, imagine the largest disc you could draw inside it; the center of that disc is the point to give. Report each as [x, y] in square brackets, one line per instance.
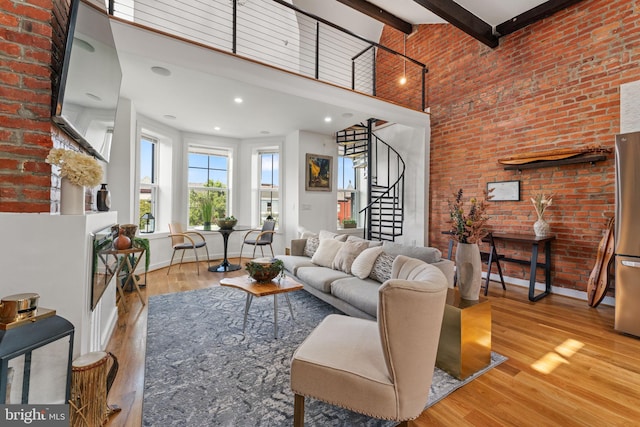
[348, 205]
[269, 162]
[208, 180]
[148, 176]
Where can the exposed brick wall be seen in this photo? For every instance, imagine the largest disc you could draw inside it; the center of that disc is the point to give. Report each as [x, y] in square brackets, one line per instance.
[26, 64]
[552, 84]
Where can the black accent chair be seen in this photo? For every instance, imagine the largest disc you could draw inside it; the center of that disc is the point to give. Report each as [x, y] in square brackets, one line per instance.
[262, 239]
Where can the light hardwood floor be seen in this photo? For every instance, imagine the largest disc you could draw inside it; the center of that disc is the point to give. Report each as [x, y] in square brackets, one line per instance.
[566, 367]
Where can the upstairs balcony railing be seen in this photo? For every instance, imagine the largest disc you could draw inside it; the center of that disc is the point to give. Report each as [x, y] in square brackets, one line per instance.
[279, 34]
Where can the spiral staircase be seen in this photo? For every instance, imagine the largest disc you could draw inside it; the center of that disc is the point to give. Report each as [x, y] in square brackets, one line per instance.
[384, 211]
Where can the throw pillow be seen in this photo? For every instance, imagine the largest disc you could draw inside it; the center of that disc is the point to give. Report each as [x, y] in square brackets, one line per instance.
[362, 265]
[327, 250]
[372, 243]
[311, 246]
[324, 234]
[381, 270]
[347, 254]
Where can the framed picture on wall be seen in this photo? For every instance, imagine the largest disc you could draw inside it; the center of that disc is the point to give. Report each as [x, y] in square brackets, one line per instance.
[504, 190]
[318, 173]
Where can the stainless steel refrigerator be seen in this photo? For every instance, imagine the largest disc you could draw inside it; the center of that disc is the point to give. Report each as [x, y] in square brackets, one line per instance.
[627, 233]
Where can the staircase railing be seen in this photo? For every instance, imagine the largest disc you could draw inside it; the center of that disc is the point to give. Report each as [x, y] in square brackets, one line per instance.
[384, 215]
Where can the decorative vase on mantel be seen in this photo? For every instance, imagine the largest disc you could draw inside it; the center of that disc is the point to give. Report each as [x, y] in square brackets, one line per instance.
[103, 200]
[71, 198]
[469, 270]
[541, 227]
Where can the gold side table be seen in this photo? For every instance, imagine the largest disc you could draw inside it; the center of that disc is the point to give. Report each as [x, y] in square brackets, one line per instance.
[465, 337]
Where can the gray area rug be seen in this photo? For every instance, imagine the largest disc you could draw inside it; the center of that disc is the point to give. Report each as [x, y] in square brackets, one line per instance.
[201, 370]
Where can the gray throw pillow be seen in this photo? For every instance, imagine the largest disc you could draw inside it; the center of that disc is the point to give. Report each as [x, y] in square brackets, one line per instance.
[381, 270]
[311, 246]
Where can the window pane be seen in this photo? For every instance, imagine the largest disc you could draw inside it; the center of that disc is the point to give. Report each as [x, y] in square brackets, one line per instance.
[208, 180]
[147, 160]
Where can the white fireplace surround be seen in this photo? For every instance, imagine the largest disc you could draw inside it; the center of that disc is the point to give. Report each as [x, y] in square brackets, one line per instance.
[51, 256]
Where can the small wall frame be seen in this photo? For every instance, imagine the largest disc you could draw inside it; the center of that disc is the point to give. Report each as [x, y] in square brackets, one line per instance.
[318, 174]
[504, 191]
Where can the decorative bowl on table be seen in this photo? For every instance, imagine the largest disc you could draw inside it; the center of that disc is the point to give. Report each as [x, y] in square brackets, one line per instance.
[226, 223]
[264, 270]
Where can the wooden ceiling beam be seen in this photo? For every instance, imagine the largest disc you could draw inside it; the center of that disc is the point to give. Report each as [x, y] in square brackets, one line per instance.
[379, 14]
[460, 17]
[539, 12]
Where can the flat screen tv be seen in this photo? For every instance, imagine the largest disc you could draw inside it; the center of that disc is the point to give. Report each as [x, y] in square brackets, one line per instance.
[90, 81]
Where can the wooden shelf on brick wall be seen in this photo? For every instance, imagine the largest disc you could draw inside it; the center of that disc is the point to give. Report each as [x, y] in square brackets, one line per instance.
[593, 158]
[557, 157]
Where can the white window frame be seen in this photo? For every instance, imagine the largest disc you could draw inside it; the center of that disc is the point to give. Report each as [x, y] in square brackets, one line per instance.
[209, 151]
[150, 188]
[261, 216]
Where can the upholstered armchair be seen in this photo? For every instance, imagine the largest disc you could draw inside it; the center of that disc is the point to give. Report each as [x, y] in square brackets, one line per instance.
[381, 368]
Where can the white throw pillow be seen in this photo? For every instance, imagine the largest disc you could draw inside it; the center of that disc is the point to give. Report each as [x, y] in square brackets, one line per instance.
[326, 252]
[362, 265]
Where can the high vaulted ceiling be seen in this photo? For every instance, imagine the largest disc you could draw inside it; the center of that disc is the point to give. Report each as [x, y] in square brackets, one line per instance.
[486, 20]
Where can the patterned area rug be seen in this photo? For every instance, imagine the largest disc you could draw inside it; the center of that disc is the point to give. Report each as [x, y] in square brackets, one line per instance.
[201, 370]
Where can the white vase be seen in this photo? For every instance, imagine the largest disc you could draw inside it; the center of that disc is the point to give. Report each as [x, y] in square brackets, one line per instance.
[71, 198]
[541, 227]
[469, 270]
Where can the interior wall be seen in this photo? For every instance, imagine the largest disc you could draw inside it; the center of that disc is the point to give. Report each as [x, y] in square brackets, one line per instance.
[554, 84]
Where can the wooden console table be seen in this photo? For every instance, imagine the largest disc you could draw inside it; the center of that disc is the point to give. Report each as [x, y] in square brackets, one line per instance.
[535, 242]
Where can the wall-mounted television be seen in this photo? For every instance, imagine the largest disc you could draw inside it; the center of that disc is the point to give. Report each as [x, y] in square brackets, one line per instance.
[90, 81]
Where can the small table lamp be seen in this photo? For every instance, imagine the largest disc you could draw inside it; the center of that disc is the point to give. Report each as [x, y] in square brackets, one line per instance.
[147, 223]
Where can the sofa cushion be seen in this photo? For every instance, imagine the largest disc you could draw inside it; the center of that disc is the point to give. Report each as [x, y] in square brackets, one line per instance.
[381, 270]
[320, 277]
[428, 255]
[362, 294]
[311, 246]
[363, 263]
[326, 252]
[347, 254]
[371, 243]
[292, 262]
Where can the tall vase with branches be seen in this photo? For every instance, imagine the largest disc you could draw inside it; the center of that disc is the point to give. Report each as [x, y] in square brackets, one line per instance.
[468, 229]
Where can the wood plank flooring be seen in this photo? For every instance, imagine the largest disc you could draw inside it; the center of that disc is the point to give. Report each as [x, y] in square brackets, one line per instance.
[566, 367]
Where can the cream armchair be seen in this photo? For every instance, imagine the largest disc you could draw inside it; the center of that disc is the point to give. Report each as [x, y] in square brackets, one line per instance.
[381, 368]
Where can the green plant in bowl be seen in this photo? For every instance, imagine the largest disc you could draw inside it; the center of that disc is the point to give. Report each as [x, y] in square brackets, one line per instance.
[264, 269]
[227, 223]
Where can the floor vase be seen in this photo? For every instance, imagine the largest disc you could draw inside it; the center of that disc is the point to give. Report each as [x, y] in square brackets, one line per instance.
[469, 270]
[71, 198]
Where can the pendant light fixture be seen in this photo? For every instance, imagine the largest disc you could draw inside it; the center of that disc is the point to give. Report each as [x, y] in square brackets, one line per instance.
[403, 79]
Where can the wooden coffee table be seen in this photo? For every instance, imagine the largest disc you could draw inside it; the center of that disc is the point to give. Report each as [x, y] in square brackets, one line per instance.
[255, 289]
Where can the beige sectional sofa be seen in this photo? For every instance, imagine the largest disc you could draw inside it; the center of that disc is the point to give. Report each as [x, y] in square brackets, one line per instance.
[346, 271]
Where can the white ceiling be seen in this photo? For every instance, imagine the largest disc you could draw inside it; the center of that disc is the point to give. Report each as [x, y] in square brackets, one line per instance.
[200, 96]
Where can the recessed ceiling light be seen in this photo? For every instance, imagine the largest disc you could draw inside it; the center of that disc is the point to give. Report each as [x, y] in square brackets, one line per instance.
[347, 115]
[327, 119]
[84, 44]
[169, 116]
[92, 96]
[237, 100]
[161, 71]
[216, 128]
[265, 132]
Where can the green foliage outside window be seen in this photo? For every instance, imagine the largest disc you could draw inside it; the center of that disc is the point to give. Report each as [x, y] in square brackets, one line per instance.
[197, 196]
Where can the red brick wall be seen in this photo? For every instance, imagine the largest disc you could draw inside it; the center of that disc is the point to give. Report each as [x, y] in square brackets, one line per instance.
[555, 83]
[26, 34]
